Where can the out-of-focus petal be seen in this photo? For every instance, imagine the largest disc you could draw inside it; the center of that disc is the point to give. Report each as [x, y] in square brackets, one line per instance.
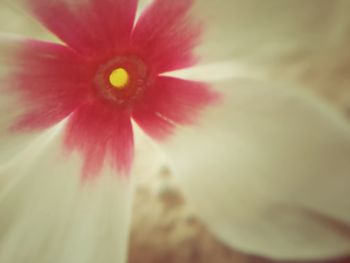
[49, 215]
[266, 32]
[298, 41]
[41, 83]
[89, 26]
[269, 171]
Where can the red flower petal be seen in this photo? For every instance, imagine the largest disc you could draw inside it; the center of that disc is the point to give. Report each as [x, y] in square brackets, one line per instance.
[50, 83]
[88, 26]
[170, 102]
[101, 132]
[165, 35]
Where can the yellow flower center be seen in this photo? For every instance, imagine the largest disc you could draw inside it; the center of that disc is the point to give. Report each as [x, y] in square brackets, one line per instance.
[119, 78]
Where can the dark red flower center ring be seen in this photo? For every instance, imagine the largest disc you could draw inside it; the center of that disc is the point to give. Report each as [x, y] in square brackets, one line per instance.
[123, 80]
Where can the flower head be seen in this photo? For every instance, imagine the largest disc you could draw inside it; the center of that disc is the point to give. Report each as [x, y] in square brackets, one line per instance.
[109, 72]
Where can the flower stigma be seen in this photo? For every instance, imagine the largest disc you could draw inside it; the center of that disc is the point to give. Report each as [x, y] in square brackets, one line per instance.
[119, 78]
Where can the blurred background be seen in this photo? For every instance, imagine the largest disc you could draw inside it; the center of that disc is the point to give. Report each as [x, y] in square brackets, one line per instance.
[163, 228]
[165, 231]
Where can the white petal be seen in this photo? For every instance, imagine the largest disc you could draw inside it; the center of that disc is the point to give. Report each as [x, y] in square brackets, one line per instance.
[49, 215]
[264, 32]
[14, 21]
[141, 6]
[269, 171]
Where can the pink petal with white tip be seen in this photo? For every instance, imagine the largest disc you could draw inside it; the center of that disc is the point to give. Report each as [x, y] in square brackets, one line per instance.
[49, 215]
[41, 84]
[102, 133]
[50, 82]
[10, 107]
[171, 102]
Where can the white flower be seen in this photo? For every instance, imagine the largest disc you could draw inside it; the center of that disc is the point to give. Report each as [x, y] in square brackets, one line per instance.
[267, 168]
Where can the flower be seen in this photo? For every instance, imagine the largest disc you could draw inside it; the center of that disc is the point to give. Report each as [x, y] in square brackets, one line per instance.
[248, 163]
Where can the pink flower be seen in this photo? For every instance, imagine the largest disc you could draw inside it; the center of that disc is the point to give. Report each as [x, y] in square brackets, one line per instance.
[264, 162]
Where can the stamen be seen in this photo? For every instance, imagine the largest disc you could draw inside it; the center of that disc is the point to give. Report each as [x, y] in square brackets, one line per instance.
[119, 78]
